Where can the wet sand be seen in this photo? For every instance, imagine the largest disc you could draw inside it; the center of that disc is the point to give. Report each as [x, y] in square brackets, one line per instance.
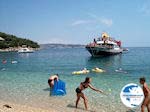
[10, 107]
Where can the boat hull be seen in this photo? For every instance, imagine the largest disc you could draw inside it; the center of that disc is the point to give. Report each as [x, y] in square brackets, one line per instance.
[99, 51]
[25, 50]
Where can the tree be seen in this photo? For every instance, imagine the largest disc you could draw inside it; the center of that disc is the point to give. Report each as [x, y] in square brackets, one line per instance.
[14, 41]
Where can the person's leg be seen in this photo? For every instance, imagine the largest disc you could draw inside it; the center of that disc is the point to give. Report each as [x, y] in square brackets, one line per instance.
[145, 103]
[148, 104]
[142, 108]
[77, 101]
[148, 108]
[85, 100]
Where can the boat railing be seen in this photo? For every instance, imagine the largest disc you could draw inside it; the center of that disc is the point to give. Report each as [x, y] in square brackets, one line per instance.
[100, 45]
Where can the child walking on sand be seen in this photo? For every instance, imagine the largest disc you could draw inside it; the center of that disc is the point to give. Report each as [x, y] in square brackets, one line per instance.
[146, 90]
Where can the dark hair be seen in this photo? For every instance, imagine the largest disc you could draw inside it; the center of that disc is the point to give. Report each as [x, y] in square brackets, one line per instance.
[142, 79]
[87, 80]
[49, 80]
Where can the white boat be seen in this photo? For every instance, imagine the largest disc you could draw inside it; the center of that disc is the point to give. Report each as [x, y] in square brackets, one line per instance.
[25, 50]
[104, 46]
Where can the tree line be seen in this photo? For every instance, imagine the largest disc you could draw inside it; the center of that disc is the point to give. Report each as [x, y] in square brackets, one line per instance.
[14, 41]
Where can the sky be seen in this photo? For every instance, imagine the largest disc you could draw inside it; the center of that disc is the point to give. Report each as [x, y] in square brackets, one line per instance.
[77, 21]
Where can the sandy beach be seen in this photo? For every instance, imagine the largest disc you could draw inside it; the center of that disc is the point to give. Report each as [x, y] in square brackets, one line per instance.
[10, 107]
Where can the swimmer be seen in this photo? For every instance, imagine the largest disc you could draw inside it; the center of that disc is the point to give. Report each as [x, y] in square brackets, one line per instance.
[85, 70]
[4, 61]
[96, 68]
[120, 71]
[14, 62]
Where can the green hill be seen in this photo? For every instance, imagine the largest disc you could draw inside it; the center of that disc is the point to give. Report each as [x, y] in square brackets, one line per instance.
[14, 41]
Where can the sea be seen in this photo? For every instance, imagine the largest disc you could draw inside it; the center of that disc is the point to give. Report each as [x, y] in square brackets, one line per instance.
[23, 77]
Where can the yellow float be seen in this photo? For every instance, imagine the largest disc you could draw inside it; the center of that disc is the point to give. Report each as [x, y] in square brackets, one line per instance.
[98, 70]
[81, 72]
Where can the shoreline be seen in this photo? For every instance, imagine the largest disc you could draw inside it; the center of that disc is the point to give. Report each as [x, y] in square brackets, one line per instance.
[16, 49]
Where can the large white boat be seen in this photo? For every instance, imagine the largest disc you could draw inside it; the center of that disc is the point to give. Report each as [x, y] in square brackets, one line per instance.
[25, 50]
[104, 45]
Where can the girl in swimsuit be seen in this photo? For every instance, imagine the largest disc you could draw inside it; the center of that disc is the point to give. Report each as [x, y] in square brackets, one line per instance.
[84, 85]
[146, 91]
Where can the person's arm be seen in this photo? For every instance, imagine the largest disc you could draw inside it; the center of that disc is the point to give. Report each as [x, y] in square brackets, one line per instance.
[146, 87]
[55, 77]
[95, 89]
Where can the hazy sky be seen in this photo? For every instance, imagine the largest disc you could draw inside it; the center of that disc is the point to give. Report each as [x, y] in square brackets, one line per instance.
[77, 21]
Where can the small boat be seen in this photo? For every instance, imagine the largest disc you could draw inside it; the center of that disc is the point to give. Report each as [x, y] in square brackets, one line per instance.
[125, 49]
[25, 50]
[105, 45]
[98, 70]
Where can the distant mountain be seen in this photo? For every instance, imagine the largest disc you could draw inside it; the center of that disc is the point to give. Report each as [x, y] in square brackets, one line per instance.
[8, 40]
[53, 45]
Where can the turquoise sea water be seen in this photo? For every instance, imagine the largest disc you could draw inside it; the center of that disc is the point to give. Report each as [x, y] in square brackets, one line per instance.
[25, 82]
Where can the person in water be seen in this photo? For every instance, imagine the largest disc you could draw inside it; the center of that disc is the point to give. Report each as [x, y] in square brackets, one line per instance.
[4, 61]
[146, 90]
[96, 68]
[52, 79]
[80, 94]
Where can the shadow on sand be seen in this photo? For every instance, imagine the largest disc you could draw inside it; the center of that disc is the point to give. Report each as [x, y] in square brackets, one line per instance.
[130, 110]
[79, 108]
[46, 89]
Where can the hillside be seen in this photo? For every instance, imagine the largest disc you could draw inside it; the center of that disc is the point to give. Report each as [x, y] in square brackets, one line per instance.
[14, 41]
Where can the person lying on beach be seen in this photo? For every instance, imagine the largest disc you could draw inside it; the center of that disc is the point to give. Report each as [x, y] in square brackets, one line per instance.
[146, 90]
[80, 94]
[52, 79]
